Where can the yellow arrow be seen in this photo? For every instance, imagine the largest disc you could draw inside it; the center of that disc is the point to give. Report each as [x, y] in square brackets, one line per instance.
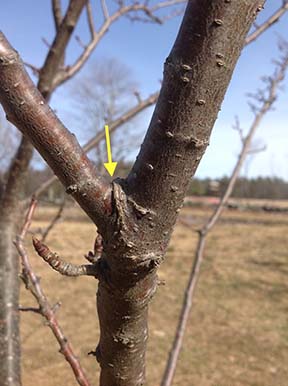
[110, 166]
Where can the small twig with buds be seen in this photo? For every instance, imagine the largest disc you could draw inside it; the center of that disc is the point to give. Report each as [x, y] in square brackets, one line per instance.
[61, 266]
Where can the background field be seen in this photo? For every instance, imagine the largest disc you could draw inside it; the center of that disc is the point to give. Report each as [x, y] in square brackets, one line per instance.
[238, 330]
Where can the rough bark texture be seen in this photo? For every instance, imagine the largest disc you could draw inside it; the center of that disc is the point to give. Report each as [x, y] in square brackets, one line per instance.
[137, 215]
[9, 316]
[10, 207]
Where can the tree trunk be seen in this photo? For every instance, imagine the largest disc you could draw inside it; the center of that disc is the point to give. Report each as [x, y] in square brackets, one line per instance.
[9, 267]
[9, 315]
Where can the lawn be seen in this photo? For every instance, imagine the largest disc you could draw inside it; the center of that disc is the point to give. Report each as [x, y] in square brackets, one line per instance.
[238, 329]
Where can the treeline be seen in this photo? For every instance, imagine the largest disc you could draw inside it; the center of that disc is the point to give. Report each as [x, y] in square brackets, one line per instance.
[261, 187]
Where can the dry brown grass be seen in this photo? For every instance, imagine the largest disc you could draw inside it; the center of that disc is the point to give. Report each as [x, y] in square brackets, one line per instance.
[238, 330]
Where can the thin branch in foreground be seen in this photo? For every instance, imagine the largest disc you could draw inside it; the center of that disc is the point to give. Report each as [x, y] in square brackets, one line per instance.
[61, 266]
[33, 284]
[29, 309]
[267, 102]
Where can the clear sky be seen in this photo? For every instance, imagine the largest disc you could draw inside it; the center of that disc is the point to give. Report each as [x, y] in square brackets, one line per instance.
[143, 48]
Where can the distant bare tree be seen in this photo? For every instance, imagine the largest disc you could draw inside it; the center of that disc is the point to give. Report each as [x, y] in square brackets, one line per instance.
[114, 91]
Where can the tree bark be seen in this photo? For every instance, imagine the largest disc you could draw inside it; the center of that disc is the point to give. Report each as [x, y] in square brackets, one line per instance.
[137, 215]
[10, 207]
[9, 315]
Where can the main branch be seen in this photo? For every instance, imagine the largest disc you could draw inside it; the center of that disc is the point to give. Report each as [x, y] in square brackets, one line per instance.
[26, 108]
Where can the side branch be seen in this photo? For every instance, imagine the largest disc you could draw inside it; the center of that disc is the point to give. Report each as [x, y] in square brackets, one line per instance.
[26, 109]
[61, 266]
[55, 55]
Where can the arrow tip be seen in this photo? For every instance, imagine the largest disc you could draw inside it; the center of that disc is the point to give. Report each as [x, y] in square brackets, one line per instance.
[110, 167]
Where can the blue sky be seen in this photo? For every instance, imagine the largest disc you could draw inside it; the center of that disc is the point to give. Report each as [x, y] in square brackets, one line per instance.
[143, 48]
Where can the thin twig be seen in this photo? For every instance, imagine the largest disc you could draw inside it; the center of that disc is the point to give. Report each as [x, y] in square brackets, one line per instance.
[54, 221]
[79, 41]
[239, 129]
[199, 254]
[104, 9]
[33, 284]
[29, 309]
[267, 24]
[165, 4]
[257, 150]
[34, 69]
[90, 20]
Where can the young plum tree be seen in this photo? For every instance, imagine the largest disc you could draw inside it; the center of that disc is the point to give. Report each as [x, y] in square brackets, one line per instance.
[135, 216]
